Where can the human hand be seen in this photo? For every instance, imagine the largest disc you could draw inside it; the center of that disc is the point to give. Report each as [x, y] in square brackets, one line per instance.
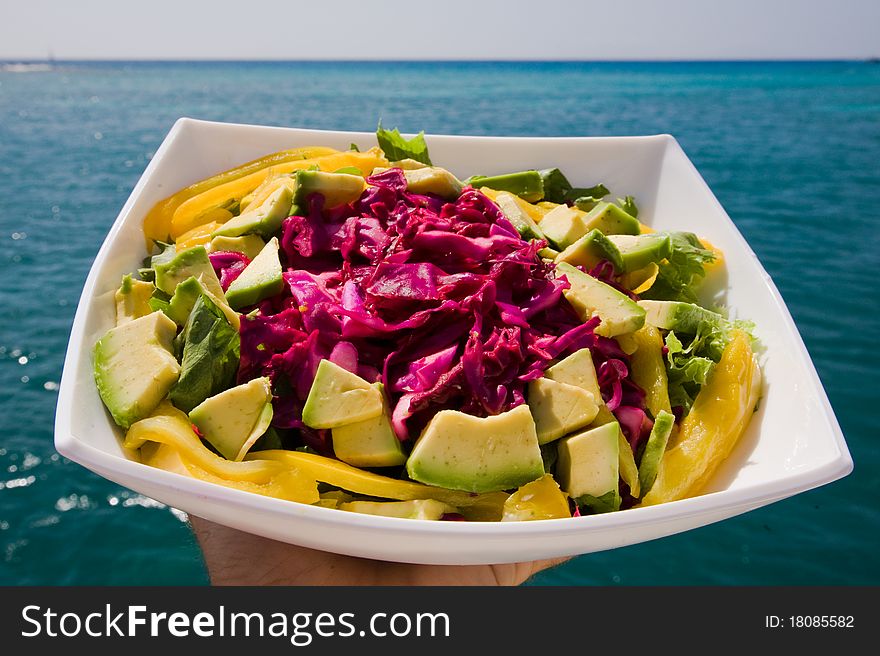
[237, 558]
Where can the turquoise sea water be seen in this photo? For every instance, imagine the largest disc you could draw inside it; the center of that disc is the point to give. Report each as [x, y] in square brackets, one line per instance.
[791, 150]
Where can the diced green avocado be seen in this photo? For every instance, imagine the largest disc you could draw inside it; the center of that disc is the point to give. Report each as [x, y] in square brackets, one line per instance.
[588, 469]
[626, 461]
[591, 249]
[611, 220]
[654, 450]
[559, 408]
[462, 452]
[135, 368]
[260, 279]
[336, 188]
[524, 224]
[591, 297]
[371, 442]
[408, 164]
[133, 300]
[548, 253]
[235, 418]
[192, 262]
[579, 370]
[528, 185]
[563, 225]
[415, 509]
[181, 303]
[679, 316]
[639, 251]
[183, 300]
[433, 180]
[263, 220]
[248, 245]
[339, 397]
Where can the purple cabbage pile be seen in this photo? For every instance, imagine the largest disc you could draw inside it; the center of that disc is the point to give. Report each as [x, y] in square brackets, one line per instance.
[441, 302]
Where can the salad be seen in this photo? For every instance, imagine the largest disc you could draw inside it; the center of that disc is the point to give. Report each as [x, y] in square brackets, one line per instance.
[364, 331]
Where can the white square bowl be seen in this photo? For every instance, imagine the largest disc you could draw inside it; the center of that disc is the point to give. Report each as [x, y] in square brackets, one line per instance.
[792, 444]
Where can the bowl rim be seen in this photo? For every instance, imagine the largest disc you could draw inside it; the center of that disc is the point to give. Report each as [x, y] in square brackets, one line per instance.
[749, 497]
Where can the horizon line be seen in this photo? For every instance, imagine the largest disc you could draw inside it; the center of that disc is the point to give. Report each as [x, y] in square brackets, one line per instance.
[209, 60]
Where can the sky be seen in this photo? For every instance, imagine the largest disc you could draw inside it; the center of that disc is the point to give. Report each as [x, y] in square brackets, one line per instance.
[440, 29]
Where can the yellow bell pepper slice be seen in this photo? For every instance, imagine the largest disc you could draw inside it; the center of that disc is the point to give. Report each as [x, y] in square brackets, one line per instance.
[649, 369]
[200, 235]
[168, 425]
[641, 280]
[190, 212]
[287, 485]
[540, 499]
[719, 416]
[157, 224]
[483, 507]
[718, 262]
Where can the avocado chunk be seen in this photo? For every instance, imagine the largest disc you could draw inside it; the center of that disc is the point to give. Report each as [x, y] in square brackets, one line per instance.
[371, 442]
[591, 297]
[539, 499]
[462, 452]
[133, 300]
[415, 509]
[260, 279]
[679, 316]
[336, 188]
[626, 461]
[528, 185]
[563, 225]
[183, 300]
[559, 408]
[579, 370]
[590, 250]
[192, 262]
[639, 251]
[235, 418]
[181, 303]
[587, 467]
[407, 164]
[655, 447]
[524, 224]
[135, 368]
[433, 180]
[612, 220]
[338, 397]
[548, 254]
[265, 219]
[248, 245]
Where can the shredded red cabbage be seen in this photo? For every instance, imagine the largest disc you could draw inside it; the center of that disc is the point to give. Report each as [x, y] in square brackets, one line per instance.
[442, 302]
[228, 266]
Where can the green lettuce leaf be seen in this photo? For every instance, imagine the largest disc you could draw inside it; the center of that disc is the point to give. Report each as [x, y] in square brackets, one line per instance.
[396, 147]
[629, 206]
[608, 502]
[556, 185]
[682, 272]
[208, 349]
[691, 358]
